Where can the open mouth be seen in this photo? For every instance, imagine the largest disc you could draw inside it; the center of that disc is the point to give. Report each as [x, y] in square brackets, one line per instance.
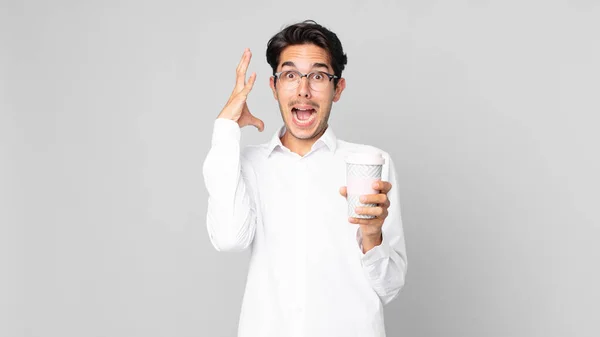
[304, 117]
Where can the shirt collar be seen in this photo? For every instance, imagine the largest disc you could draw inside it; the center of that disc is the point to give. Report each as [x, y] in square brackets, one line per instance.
[328, 139]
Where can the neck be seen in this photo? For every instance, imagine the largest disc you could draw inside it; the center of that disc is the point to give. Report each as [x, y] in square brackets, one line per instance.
[299, 146]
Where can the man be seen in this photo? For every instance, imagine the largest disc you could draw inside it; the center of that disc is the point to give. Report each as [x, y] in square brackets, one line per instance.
[313, 271]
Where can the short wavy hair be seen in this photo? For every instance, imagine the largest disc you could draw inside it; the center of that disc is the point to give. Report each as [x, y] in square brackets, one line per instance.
[308, 32]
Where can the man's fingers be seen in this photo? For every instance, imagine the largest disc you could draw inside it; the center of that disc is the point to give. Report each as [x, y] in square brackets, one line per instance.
[382, 186]
[241, 60]
[249, 85]
[243, 92]
[376, 211]
[239, 76]
[241, 70]
[246, 61]
[378, 222]
[373, 198]
[343, 191]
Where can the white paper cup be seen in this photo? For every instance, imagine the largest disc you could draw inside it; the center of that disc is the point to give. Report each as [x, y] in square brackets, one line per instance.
[362, 170]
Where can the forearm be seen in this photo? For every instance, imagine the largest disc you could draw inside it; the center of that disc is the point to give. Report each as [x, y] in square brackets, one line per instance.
[384, 266]
[230, 214]
[371, 241]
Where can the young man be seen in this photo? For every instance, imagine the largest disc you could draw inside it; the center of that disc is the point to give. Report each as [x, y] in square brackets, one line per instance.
[313, 271]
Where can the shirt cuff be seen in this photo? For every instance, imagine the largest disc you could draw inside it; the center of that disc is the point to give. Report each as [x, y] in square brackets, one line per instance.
[225, 131]
[377, 253]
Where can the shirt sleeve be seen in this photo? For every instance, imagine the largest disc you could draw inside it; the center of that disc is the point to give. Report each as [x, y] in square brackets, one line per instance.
[385, 265]
[228, 177]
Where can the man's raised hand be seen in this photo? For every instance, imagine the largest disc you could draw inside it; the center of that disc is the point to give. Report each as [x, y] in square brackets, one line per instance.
[236, 108]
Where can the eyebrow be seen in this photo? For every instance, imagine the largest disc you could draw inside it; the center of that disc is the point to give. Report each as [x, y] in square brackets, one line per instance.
[315, 65]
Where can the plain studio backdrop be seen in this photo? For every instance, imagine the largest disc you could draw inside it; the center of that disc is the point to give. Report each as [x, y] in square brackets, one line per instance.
[489, 108]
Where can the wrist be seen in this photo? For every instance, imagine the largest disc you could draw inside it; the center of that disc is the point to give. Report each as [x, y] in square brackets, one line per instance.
[371, 240]
[225, 116]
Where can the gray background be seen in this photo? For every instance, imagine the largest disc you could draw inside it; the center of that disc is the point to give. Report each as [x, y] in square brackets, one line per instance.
[489, 108]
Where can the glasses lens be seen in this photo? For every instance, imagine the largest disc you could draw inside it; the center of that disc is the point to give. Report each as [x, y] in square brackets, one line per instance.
[289, 78]
[318, 81]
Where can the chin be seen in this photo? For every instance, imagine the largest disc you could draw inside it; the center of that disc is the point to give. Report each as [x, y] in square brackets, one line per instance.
[304, 133]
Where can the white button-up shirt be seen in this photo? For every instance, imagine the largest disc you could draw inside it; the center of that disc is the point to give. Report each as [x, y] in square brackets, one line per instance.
[308, 275]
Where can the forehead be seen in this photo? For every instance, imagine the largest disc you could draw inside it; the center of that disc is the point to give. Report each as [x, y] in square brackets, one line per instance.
[304, 56]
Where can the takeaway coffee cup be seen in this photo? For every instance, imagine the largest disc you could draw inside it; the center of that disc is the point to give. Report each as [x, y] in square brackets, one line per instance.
[362, 170]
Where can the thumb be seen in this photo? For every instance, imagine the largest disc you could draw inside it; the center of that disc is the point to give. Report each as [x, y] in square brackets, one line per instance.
[343, 191]
[260, 125]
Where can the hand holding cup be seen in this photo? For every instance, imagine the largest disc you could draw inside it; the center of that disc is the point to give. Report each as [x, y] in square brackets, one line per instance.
[366, 193]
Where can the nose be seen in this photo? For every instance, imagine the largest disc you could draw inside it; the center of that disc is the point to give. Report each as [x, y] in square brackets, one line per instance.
[304, 88]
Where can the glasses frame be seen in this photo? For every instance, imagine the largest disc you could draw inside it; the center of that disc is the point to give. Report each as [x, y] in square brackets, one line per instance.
[330, 76]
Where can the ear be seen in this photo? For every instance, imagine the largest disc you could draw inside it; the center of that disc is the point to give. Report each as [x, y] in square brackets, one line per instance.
[341, 85]
[272, 85]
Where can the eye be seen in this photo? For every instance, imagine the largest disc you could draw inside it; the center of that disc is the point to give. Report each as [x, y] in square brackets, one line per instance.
[290, 75]
[318, 76]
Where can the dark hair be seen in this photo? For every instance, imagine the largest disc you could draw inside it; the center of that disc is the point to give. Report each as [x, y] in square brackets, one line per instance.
[307, 32]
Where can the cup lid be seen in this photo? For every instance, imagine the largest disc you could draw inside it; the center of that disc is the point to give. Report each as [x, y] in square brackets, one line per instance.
[365, 159]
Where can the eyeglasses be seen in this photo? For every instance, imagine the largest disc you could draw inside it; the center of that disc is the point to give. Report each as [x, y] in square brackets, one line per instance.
[317, 80]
